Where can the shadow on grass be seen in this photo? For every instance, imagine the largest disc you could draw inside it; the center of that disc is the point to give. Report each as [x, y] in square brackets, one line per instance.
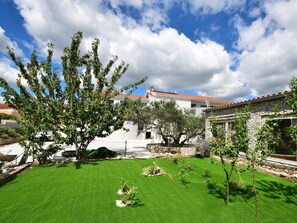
[137, 203]
[276, 190]
[6, 179]
[78, 165]
[220, 191]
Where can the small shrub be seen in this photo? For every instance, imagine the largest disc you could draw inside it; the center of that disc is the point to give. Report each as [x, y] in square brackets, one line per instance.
[203, 149]
[129, 198]
[183, 177]
[185, 167]
[206, 175]
[124, 187]
[6, 133]
[4, 136]
[100, 153]
[152, 170]
[173, 160]
[43, 156]
[128, 194]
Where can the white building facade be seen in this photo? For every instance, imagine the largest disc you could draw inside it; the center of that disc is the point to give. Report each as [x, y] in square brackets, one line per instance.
[187, 101]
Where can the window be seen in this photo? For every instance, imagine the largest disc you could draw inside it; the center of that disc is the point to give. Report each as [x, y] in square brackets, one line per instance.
[193, 105]
[148, 135]
[286, 145]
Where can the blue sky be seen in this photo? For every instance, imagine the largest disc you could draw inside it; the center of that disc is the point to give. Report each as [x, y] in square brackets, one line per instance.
[233, 49]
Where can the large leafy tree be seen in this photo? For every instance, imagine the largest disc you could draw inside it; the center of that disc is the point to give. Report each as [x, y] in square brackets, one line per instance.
[75, 105]
[172, 123]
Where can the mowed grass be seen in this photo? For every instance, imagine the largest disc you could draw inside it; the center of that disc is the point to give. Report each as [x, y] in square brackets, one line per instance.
[87, 193]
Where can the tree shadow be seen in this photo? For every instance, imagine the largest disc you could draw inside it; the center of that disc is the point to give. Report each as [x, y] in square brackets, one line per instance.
[78, 164]
[276, 190]
[137, 203]
[7, 179]
[47, 165]
[64, 164]
[235, 191]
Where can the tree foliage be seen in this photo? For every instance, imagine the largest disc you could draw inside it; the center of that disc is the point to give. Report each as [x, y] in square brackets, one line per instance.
[172, 123]
[228, 151]
[291, 100]
[75, 102]
[267, 138]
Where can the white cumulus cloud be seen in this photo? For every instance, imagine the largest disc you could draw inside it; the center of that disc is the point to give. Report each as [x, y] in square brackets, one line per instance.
[269, 44]
[168, 58]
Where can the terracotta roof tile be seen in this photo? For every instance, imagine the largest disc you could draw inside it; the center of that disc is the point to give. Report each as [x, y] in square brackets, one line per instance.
[190, 96]
[4, 106]
[131, 96]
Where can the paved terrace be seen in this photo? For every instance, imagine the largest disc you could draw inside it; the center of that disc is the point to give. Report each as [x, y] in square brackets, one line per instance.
[135, 148]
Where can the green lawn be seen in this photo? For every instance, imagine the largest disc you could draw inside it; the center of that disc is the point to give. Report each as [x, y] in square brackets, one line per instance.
[87, 193]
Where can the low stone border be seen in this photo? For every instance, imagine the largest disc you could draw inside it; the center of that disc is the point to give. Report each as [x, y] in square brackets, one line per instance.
[188, 151]
[13, 173]
[280, 170]
[275, 169]
[9, 141]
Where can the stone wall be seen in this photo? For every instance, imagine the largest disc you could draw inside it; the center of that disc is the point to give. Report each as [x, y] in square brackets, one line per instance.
[10, 141]
[280, 170]
[188, 151]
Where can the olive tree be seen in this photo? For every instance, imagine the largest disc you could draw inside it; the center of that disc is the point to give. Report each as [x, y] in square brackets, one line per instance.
[172, 123]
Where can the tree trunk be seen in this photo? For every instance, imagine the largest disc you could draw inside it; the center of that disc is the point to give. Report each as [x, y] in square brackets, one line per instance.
[256, 193]
[79, 152]
[227, 189]
[166, 141]
[176, 142]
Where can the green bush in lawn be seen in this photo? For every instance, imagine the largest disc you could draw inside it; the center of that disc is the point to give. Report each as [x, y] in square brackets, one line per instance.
[6, 133]
[4, 136]
[100, 153]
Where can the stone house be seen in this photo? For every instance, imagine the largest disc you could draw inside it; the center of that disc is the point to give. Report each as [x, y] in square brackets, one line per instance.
[260, 109]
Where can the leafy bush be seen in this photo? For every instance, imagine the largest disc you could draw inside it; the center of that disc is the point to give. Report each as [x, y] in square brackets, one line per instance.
[203, 149]
[185, 167]
[129, 198]
[43, 155]
[173, 160]
[128, 194]
[6, 133]
[4, 136]
[206, 175]
[124, 186]
[7, 116]
[100, 153]
[152, 170]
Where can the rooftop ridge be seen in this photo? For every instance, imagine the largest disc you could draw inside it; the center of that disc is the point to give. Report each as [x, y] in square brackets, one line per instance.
[255, 99]
[193, 96]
